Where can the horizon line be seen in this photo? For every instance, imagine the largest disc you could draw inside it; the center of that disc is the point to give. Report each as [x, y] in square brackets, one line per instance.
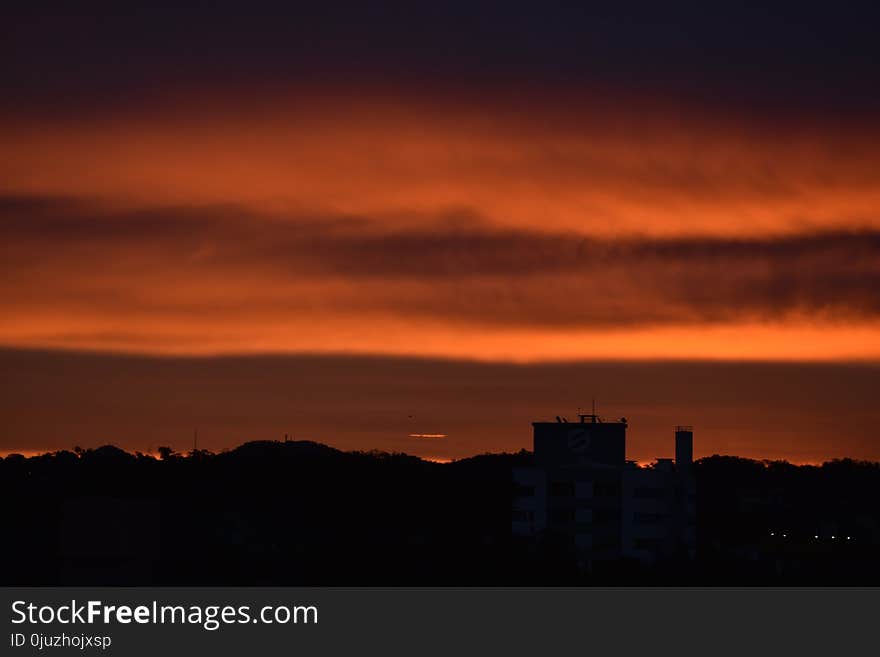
[154, 454]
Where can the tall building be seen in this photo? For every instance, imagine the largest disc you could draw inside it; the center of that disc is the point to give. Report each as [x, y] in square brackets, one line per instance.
[583, 492]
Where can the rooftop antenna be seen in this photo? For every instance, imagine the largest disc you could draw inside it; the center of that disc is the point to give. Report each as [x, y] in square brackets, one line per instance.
[593, 417]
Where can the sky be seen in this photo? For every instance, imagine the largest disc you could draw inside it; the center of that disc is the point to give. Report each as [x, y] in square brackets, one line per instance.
[475, 190]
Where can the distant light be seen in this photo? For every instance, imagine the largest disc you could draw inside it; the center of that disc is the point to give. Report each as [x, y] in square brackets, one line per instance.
[784, 535]
[816, 536]
[847, 538]
[427, 435]
[832, 537]
[772, 534]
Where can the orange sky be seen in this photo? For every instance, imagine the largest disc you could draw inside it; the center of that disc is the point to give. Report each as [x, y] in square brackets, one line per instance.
[298, 224]
[363, 223]
[591, 170]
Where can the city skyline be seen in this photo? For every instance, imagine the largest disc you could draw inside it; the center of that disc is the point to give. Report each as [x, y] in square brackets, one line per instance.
[817, 412]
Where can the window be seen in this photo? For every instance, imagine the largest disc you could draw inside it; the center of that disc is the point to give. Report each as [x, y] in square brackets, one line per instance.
[606, 516]
[606, 489]
[561, 489]
[644, 493]
[561, 516]
[609, 542]
[647, 518]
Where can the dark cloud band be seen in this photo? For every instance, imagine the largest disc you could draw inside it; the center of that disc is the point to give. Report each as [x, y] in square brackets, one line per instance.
[458, 268]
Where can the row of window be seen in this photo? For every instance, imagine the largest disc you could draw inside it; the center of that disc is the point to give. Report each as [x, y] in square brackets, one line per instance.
[643, 493]
[567, 489]
[648, 518]
[599, 517]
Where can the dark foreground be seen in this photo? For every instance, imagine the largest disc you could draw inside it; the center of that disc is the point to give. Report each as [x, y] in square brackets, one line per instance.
[299, 513]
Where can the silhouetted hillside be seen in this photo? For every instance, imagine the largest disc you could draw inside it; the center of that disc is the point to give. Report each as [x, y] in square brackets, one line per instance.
[305, 513]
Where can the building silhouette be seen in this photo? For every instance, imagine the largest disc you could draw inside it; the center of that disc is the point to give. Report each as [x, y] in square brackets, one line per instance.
[582, 494]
